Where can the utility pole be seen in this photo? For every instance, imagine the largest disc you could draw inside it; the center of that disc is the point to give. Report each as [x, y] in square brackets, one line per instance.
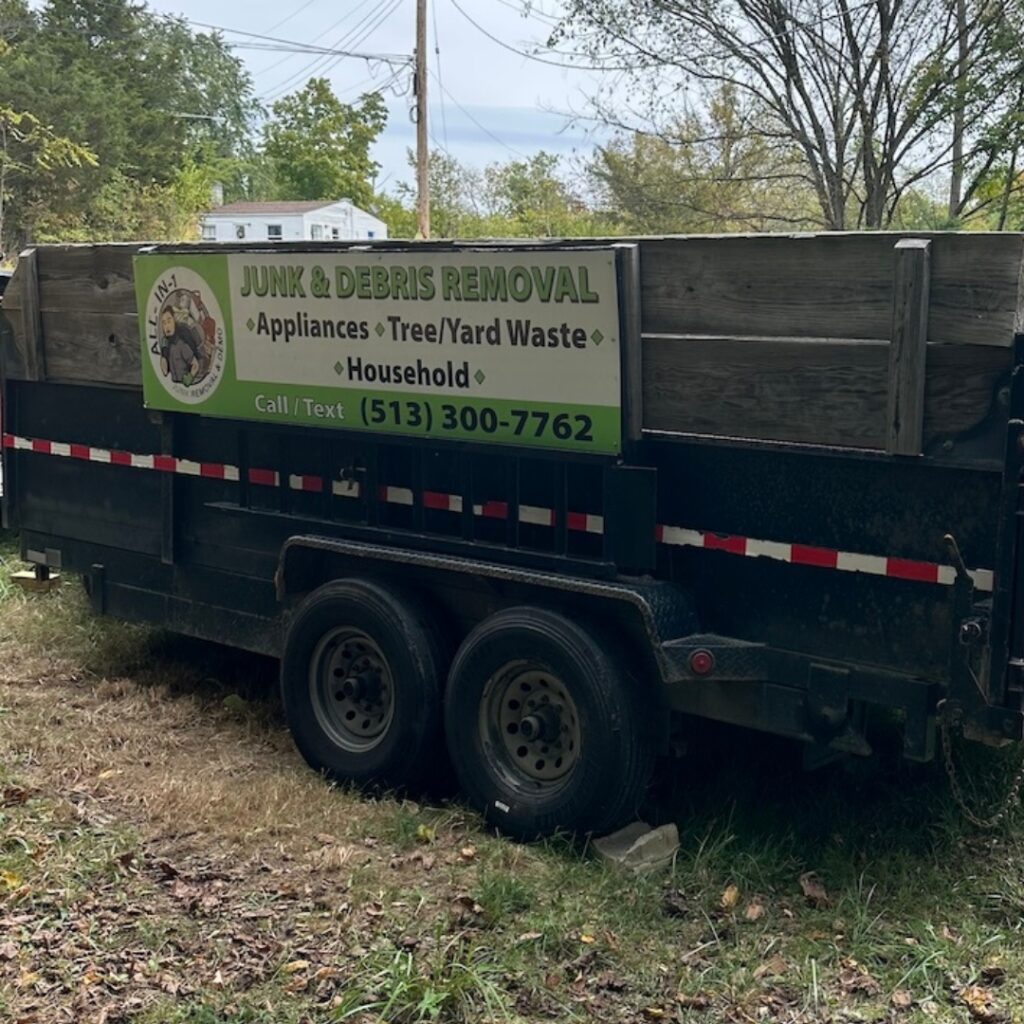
[420, 88]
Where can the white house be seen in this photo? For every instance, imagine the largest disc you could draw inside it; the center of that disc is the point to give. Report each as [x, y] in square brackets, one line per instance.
[317, 220]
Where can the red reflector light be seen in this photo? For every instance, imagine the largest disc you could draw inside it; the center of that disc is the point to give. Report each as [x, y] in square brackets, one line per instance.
[702, 662]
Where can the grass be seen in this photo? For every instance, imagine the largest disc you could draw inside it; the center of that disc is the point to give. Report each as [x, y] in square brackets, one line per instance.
[165, 856]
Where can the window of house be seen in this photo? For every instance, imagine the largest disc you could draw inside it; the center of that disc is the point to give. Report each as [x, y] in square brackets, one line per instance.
[335, 234]
[274, 233]
[369, 234]
[209, 232]
[317, 232]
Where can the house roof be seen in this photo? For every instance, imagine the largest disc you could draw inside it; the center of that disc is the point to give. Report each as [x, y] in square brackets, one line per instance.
[283, 207]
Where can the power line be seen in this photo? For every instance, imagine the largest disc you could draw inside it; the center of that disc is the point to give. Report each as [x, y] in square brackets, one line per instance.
[367, 32]
[331, 27]
[321, 65]
[355, 90]
[487, 131]
[531, 56]
[769, 38]
[391, 57]
[527, 11]
[288, 17]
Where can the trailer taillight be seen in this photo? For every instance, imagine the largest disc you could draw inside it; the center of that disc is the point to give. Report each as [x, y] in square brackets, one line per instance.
[702, 662]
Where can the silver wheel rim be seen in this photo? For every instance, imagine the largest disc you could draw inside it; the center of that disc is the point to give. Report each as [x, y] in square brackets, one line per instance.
[531, 723]
[351, 689]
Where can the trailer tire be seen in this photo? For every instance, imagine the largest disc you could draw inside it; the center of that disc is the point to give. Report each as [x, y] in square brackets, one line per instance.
[584, 761]
[361, 680]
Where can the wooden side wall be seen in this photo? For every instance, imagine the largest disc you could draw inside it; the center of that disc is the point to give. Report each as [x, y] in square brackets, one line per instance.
[776, 337]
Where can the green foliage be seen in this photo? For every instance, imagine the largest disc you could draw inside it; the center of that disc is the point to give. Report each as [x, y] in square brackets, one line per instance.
[400, 219]
[124, 209]
[869, 103]
[528, 198]
[144, 95]
[503, 894]
[458, 981]
[320, 147]
[712, 173]
[27, 147]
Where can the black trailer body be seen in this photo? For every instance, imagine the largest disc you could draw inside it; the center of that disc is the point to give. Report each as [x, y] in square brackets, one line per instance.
[814, 508]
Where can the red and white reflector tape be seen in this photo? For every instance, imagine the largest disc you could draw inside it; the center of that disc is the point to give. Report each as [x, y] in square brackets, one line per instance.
[824, 558]
[581, 522]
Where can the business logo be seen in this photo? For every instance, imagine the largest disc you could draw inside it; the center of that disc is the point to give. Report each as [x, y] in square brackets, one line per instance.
[185, 335]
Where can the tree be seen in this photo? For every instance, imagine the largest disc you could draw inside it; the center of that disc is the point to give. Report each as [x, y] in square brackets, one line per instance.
[862, 93]
[519, 198]
[27, 147]
[320, 147]
[721, 175]
[146, 94]
[531, 197]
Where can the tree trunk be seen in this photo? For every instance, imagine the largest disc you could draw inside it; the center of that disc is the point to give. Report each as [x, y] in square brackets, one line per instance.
[956, 178]
[1011, 174]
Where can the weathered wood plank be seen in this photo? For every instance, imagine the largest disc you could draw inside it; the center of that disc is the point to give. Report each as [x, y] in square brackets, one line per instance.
[831, 285]
[904, 414]
[821, 286]
[12, 354]
[30, 334]
[93, 347]
[821, 391]
[11, 298]
[819, 385]
[828, 285]
[88, 277]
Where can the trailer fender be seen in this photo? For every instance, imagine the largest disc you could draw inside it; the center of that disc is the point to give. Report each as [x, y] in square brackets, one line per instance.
[643, 613]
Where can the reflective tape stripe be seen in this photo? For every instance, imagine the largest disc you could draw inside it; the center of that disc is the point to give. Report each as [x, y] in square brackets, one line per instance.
[891, 566]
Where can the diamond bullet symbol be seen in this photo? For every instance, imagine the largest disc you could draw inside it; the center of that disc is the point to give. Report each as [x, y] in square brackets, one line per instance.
[339, 369]
[250, 323]
[597, 337]
[479, 376]
[379, 329]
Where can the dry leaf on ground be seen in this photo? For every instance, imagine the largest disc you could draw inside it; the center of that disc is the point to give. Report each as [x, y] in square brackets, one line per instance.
[901, 999]
[813, 889]
[854, 977]
[698, 1001]
[774, 967]
[980, 1004]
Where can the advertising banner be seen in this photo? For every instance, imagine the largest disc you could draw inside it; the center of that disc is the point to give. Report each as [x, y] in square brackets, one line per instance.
[514, 347]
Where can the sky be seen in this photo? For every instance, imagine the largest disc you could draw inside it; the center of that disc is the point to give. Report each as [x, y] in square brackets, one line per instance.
[491, 104]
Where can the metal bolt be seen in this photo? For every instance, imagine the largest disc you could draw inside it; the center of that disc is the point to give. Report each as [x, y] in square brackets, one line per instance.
[970, 631]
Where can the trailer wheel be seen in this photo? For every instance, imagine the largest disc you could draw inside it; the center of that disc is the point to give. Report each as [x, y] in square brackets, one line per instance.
[361, 684]
[544, 728]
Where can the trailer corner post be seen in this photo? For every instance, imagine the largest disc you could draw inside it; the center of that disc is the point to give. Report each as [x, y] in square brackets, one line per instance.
[33, 353]
[630, 333]
[908, 348]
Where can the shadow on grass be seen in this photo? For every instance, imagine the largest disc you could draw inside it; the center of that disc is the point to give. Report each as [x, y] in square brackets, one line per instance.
[748, 811]
[742, 800]
[740, 797]
[208, 669]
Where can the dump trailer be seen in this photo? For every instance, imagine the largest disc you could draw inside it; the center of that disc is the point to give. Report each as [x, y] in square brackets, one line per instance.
[532, 505]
